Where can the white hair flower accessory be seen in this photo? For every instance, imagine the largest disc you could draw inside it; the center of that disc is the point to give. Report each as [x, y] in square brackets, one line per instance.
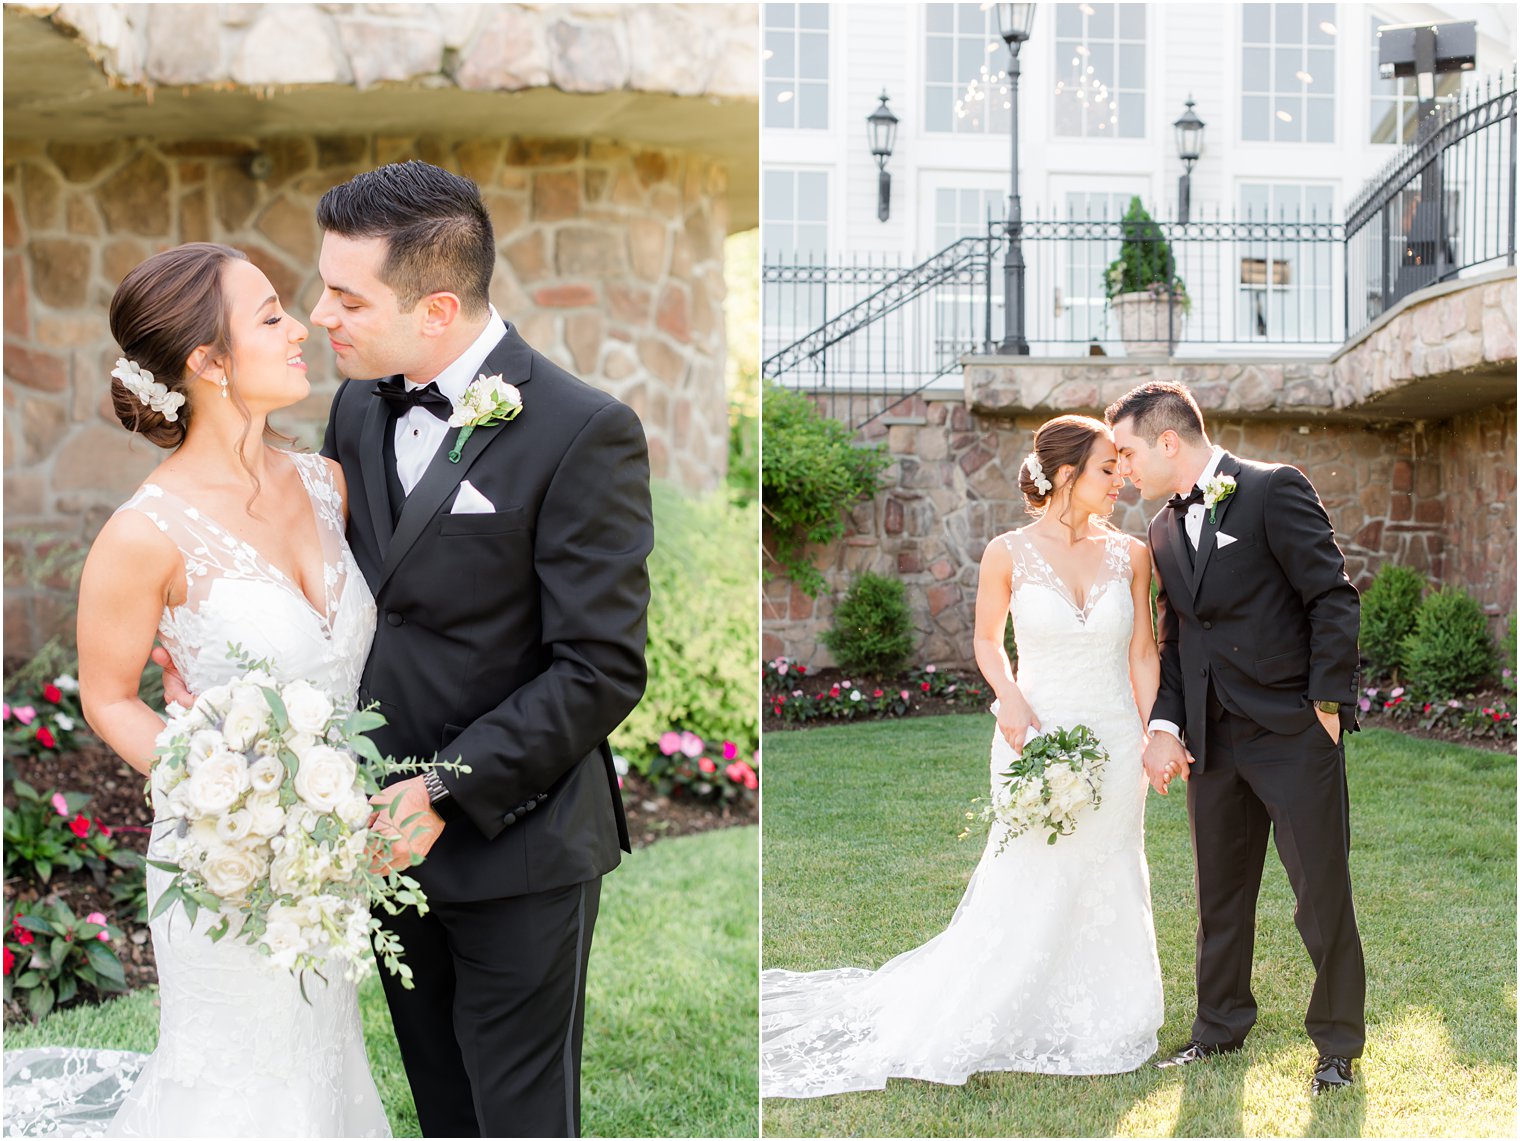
[140, 383]
[1037, 473]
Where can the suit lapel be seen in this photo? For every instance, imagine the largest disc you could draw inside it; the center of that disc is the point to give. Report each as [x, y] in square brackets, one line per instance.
[513, 360]
[1208, 537]
[372, 470]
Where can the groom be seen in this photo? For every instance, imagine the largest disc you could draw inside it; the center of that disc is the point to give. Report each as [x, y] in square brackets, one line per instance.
[511, 590]
[1257, 627]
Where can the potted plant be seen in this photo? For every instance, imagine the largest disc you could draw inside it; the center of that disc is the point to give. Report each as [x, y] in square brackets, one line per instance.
[1143, 289]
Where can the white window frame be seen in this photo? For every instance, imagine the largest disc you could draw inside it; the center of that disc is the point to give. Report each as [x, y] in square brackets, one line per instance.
[1338, 57]
[1058, 73]
[795, 80]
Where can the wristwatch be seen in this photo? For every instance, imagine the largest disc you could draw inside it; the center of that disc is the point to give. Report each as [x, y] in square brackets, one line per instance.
[1328, 706]
[433, 784]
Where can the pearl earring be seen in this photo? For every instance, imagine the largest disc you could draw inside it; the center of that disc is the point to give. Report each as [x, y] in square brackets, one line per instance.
[223, 383]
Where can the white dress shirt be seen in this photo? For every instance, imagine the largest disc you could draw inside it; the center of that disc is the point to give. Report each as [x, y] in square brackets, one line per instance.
[1193, 523]
[419, 433]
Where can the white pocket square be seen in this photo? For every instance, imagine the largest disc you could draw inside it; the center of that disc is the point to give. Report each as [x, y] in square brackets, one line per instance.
[471, 502]
[1222, 539]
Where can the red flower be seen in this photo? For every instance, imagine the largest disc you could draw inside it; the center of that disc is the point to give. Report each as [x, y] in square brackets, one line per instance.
[52, 693]
[80, 825]
[834, 692]
[25, 937]
[923, 685]
[1427, 708]
[10, 961]
[45, 736]
[800, 669]
[877, 693]
[102, 829]
[706, 765]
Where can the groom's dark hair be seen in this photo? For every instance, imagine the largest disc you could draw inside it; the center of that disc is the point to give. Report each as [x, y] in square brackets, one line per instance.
[1157, 406]
[437, 231]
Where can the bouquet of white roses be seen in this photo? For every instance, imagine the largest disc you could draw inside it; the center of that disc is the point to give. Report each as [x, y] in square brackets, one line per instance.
[1058, 774]
[273, 808]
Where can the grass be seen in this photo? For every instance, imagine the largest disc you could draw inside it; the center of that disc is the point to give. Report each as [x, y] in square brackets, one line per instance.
[670, 1047]
[861, 862]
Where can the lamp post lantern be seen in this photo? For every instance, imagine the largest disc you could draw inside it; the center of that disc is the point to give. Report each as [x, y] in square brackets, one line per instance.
[881, 129]
[1189, 147]
[1014, 24]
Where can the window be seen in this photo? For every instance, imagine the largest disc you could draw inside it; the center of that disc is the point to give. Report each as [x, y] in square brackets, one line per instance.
[1286, 285]
[795, 214]
[962, 213]
[1080, 294]
[965, 70]
[1395, 105]
[797, 66]
[1287, 79]
[1100, 70]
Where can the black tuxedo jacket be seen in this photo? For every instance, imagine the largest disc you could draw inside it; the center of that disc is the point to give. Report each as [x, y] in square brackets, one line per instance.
[513, 640]
[1270, 620]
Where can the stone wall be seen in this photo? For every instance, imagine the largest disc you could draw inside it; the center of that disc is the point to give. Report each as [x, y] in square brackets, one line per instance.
[1438, 497]
[610, 262]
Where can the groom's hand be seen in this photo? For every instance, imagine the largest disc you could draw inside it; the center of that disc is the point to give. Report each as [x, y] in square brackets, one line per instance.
[411, 828]
[1164, 758]
[175, 690]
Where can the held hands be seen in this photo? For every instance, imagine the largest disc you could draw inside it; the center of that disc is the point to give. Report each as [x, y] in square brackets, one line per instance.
[1014, 720]
[175, 691]
[1164, 758]
[412, 827]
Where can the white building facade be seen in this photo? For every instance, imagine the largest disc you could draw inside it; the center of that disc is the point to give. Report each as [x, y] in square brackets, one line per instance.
[1297, 117]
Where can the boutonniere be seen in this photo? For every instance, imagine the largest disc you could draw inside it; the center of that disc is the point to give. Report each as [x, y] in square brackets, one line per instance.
[1216, 491]
[489, 400]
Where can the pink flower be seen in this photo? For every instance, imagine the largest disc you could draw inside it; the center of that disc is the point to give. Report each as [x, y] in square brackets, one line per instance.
[1398, 691]
[904, 695]
[620, 782]
[1454, 704]
[1364, 705]
[97, 917]
[735, 772]
[670, 743]
[25, 714]
[781, 668]
[60, 805]
[730, 750]
[929, 669]
[707, 765]
[691, 744]
[5, 710]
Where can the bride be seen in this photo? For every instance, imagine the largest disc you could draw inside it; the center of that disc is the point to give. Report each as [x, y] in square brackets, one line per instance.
[229, 542]
[1049, 963]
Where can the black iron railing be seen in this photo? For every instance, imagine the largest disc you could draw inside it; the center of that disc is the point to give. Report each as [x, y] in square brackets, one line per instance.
[870, 332]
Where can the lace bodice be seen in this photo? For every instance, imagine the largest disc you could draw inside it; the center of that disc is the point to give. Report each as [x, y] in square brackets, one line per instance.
[235, 596]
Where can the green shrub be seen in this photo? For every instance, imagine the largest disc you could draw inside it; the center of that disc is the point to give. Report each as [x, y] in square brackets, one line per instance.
[810, 472]
[1145, 260]
[49, 953]
[1450, 651]
[1507, 652]
[1389, 606]
[873, 628]
[703, 627]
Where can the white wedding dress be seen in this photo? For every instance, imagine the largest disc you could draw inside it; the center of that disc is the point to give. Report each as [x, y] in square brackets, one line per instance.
[240, 1053]
[1049, 963]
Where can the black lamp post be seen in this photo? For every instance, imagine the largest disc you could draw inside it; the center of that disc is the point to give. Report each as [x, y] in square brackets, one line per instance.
[1014, 24]
[1189, 148]
[881, 129]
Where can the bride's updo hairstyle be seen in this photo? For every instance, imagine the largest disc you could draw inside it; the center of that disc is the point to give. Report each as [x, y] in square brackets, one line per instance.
[1057, 443]
[162, 311]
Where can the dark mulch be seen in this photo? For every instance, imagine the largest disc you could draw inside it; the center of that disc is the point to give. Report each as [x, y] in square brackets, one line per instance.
[817, 681]
[117, 801]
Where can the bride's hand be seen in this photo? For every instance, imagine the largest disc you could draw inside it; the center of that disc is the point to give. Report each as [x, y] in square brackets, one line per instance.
[1014, 720]
[175, 690]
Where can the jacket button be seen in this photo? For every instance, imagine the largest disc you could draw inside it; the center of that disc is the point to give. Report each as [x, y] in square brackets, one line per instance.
[1208, 625]
[531, 805]
[1203, 671]
[510, 818]
[394, 619]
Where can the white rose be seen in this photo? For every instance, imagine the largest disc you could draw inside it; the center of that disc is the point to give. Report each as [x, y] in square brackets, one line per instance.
[307, 707]
[177, 801]
[215, 698]
[267, 815]
[234, 827]
[245, 722]
[216, 785]
[325, 778]
[228, 871]
[355, 810]
[300, 744]
[265, 775]
[285, 938]
[1029, 797]
[1060, 778]
[203, 742]
[286, 872]
[266, 747]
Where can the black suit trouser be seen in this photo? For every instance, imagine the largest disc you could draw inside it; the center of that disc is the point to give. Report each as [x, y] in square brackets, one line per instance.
[1294, 786]
[491, 1033]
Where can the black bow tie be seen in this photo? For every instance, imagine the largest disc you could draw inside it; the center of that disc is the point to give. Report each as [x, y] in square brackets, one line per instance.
[402, 399]
[1183, 502]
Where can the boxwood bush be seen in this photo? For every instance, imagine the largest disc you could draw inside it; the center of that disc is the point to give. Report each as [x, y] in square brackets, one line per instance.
[873, 628]
[1450, 651]
[1389, 606]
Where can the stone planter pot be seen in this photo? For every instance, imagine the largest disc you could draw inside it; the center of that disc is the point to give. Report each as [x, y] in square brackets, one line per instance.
[1141, 320]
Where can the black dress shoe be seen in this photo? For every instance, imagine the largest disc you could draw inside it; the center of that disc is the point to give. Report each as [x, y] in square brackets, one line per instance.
[1194, 1051]
[1330, 1072]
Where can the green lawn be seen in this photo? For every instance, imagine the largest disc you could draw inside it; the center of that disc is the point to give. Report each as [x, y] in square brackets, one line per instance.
[670, 1047]
[861, 862]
